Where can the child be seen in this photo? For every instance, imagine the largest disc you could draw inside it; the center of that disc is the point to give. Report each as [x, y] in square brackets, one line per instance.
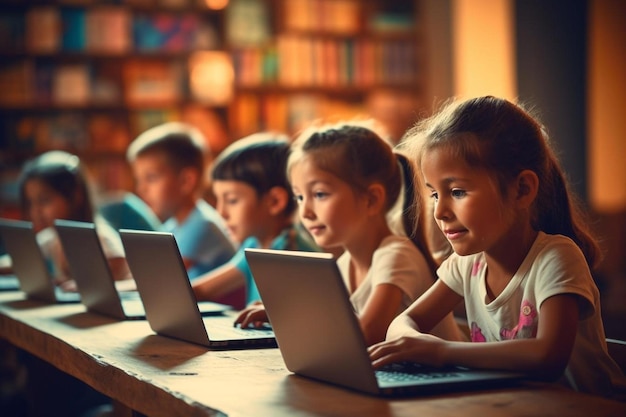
[346, 179]
[53, 186]
[522, 254]
[255, 199]
[168, 165]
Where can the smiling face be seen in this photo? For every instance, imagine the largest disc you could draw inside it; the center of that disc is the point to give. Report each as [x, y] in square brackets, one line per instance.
[243, 210]
[469, 206]
[328, 207]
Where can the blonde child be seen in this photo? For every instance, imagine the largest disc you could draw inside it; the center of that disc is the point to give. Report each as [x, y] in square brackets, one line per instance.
[168, 166]
[522, 254]
[346, 179]
[53, 186]
[254, 198]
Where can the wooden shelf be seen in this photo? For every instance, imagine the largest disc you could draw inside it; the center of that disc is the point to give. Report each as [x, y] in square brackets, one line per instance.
[291, 71]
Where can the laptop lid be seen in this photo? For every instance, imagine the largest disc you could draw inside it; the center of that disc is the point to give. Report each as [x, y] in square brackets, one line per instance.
[29, 264]
[89, 268]
[319, 334]
[169, 301]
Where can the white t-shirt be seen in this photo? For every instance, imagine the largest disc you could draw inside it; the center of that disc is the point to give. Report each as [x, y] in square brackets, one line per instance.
[396, 261]
[554, 265]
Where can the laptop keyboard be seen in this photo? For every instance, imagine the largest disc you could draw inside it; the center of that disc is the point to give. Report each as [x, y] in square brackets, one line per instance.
[222, 327]
[408, 371]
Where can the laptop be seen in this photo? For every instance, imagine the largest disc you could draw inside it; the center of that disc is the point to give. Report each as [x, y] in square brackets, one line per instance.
[29, 264]
[171, 308]
[94, 279]
[319, 335]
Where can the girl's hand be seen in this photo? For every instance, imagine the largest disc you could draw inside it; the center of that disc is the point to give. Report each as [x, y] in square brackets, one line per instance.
[253, 316]
[424, 349]
[68, 285]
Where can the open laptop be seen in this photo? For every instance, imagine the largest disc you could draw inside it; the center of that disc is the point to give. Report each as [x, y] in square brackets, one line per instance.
[171, 308]
[29, 264]
[319, 335]
[94, 279]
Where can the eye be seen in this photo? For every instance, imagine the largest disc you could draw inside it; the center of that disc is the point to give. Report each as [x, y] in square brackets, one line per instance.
[320, 195]
[457, 193]
[434, 196]
[298, 198]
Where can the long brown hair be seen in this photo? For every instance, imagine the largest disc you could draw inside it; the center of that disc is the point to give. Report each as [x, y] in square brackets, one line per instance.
[504, 138]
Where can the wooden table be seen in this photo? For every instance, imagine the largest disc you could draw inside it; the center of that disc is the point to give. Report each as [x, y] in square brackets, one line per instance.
[158, 376]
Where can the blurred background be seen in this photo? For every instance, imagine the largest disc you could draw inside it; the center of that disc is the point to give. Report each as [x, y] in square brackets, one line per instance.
[88, 76]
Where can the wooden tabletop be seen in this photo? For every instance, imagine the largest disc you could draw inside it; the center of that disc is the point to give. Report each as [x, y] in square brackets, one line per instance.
[158, 376]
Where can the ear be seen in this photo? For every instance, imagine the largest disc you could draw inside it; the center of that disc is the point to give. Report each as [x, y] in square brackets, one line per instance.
[526, 188]
[276, 199]
[376, 196]
[188, 178]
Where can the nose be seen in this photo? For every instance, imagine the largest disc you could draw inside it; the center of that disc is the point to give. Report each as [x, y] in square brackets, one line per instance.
[305, 210]
[221, 209]
[441, 210]
[140, 189]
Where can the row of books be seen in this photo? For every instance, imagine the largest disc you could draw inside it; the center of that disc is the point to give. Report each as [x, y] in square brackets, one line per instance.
[94, 132]
[206, 77]
[104, 29]
[298, 61]
[75, 132]
[341, 17]
[250, 113]
[135, 83]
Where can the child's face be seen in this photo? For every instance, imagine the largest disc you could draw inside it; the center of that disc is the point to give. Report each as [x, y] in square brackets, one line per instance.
[328, 207]
[44, 204]
[244, 212]
[157, 183]
[469, 207]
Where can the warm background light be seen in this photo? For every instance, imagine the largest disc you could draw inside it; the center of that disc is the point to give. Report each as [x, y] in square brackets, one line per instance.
[211, 77]
[216, 4]
[607, 101]
[483, 48]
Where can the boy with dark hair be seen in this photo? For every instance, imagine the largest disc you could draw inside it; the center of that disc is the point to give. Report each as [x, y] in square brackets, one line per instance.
[255, 199]
[168, 166]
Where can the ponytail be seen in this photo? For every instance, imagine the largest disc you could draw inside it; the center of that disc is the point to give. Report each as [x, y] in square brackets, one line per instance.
[565, 215]
[413, 213]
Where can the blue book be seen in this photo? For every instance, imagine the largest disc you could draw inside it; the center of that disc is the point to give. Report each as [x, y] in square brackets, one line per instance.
[73, 37]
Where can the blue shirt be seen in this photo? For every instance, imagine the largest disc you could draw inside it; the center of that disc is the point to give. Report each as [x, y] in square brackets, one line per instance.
[289, 239]
[202, 239]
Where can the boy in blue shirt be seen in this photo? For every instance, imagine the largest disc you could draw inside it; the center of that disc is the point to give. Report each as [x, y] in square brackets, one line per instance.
[168, 165]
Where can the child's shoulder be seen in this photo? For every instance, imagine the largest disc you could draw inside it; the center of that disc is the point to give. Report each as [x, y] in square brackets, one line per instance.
[557, 248]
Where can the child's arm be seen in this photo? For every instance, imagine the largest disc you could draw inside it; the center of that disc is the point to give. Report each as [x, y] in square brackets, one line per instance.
[218, 283]
[544, 356]
[426, 312]
[119, 268]
[379, 310]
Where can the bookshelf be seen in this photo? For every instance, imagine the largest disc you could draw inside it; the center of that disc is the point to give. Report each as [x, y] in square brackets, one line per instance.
[88, 76]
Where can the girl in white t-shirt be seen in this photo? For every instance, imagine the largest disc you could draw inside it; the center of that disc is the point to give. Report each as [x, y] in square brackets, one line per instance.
[522, 254]
[346, 180]
[53, 186]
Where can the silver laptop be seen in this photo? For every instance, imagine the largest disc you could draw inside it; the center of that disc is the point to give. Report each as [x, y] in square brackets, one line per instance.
[319, 334]
[94, 279]
[171, 308]
[91, 272]
[29, 264]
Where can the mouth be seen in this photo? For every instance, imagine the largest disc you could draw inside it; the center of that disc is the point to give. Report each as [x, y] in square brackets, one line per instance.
[453, 234]
[316, 230]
